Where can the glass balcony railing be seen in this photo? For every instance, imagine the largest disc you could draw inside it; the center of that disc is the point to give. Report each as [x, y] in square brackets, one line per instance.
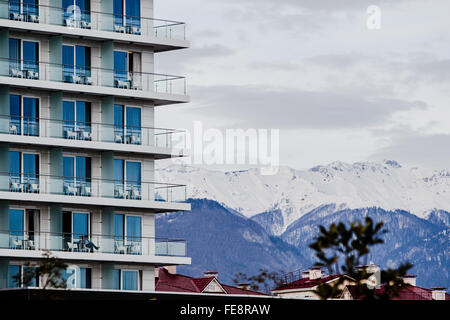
[92, 131]
[92, 243]
[93, 76]
[74, 18]
[91, 187]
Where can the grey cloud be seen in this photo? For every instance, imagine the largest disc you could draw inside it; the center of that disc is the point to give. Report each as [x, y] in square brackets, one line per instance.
[296, 109]
[410, 147]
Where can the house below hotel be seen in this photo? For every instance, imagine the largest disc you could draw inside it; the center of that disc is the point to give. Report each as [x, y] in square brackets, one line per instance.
[167, 280]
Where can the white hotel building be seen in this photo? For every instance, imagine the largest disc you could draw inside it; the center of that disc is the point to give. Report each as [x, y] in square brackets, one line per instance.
[78, 143]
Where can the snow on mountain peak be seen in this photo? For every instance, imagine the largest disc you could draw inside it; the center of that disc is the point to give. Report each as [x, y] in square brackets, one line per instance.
[385, 184]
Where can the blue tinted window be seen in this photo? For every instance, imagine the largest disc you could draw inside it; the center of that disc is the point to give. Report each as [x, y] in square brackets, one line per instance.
[118, 12]
[85, 278]
[118, 171]
[120, 65]
[15, 112]
[133, 173]
[30, 55]
[80, 225]
[30, 7]
[118, 115]
[119, 226]
[30, 168]
[133, 12]
[130, 280]
[15, 163]
[13, 271]
[16, 221]
[14, 49]
[134, 117]
[69, 167]
[134, 225]
[117, 279]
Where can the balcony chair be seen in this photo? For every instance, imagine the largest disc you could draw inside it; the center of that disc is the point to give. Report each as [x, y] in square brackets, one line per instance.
[12, 129]
[72, 246]
[16, 187]
[119, 193]
[17, 16]
[70, 190]
[30, 245]
[136, 248]
[136, 194]
[85, 135]
[33, 18]
[135, 139]
[118, 138]
[119, 248]
[17, 244]
[32, 75]
[118, 28]
[136, 30]
[71, 134]
[88, 81]
[85, 191]
[76, 79]
[34, 188]
[16, 73]
[136, 85]
[85, 25]
[123, 84]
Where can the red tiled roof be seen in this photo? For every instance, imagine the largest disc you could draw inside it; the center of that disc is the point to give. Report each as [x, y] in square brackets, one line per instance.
[407, 293]
[201, 283]
[236, 290]
[307, 283]
[181, 283]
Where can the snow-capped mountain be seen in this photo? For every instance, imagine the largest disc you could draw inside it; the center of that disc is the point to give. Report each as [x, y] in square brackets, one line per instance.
[290, 194]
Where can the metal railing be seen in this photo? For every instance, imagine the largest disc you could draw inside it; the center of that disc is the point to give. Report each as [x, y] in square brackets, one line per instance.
[92, 76]
[91, 187]
[92, 131]
[92, 20]
[92, 243]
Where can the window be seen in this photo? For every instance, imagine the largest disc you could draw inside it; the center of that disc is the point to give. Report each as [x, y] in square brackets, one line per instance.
[127, 70]
[22, 227]
[24, 172]
[24, 115]
[24, 58]
[127, 234]
[127, 176]
[126, 279]
[25, 10]
[77, 64]
[127, 16]
[76, 230]
[77, 120]
[77, 175]
[127, 125]
[77, 13]
[17, 270]
[76, 277]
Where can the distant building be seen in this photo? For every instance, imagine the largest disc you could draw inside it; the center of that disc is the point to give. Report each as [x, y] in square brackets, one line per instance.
[304, 287]
[169, 281]
[409, 292]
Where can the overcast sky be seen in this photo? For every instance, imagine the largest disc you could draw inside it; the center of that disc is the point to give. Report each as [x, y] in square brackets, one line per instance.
[334, 88]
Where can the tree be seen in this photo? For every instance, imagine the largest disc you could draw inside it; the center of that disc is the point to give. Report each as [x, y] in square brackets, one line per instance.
[343, 249]
[51, 270]
[262, 282]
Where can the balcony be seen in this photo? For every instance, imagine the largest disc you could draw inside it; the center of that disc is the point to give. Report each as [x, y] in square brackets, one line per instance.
[160, 88]
[93, 247]
[163, 35]
[86, 191]
[163, 143]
